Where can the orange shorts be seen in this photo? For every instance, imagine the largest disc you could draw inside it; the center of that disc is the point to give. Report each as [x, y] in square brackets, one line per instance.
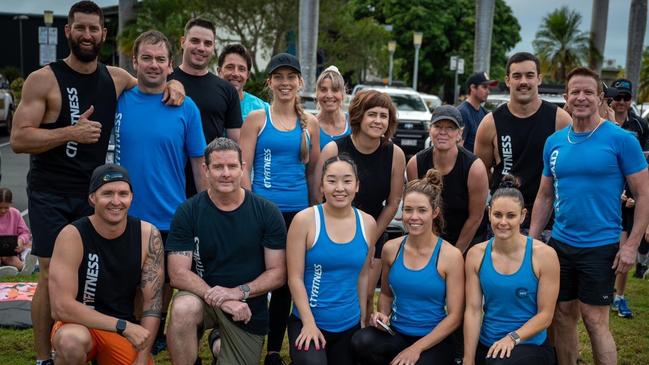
[108, 348]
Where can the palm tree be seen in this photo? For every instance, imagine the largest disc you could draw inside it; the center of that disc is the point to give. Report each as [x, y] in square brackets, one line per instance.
[598, 25]
[643, 87]
[126, 14]
[560, 44]
[637, 26]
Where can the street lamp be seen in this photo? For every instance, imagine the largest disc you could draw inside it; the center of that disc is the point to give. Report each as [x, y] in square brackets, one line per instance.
[392, 46]
[48, 17]
[20, 19]
[416, 39]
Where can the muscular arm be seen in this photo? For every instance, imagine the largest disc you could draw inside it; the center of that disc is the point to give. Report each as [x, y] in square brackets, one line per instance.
[473, 308]
[274, 276]
[314, 156]
[484, 143]
[542, 209]
[249, 132]
[151, 287]
[181, 275]
[478, 185]
[329, 151]
[396, 191]
[197, 170]
[174, 93]
[563, 119]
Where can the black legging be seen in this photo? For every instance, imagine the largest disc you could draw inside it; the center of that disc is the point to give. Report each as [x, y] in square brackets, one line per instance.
[521, 355]
[279, 307]
[336, 352]
[371, 346]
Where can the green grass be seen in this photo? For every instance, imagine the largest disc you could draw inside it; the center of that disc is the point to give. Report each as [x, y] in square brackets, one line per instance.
[630, 335]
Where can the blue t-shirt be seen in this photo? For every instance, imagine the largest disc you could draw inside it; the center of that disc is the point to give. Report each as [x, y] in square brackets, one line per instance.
[250, 103]
[588, 179]
[471, 119]
[153, 142]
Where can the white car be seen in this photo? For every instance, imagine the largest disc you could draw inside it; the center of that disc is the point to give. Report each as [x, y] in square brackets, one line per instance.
[7, 106]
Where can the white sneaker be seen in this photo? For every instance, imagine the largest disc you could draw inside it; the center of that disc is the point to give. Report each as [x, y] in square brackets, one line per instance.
[8, 271]
[29, 265]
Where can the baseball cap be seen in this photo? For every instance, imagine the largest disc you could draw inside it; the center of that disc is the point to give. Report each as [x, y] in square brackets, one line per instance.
[480, 78]
[609, 91]
[447, 112]
[107, 173]
[622, 86]
[283, 60]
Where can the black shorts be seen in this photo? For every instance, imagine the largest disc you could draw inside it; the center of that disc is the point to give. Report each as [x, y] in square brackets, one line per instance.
[49, 213]
[586, 273]
[627, 219]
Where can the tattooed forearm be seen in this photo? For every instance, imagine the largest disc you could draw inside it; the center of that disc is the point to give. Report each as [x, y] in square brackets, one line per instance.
[153, 273]
[151, 313]
[181, 253]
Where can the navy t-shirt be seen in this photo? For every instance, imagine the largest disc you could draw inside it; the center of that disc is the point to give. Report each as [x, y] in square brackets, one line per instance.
[228, 246]
[471, 119]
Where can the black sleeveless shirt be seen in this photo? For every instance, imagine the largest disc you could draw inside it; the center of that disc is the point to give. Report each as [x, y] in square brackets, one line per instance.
[520, 146]
[109, 273]
[374, 174]
[455, 191]
[67, 168]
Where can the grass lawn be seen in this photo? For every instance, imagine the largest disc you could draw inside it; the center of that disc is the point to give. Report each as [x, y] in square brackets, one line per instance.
[630, 335]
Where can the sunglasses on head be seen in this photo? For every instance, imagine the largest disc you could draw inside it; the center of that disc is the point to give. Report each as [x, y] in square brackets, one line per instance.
[620, 97]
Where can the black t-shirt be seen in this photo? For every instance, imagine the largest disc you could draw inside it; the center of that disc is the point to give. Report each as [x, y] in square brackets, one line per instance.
[217, 100]
[228, 247]
[639, 128]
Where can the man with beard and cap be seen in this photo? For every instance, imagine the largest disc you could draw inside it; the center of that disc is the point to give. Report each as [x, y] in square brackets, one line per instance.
[64, 121]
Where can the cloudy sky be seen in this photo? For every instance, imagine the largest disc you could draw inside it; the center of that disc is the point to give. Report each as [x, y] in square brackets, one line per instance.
[529, 14]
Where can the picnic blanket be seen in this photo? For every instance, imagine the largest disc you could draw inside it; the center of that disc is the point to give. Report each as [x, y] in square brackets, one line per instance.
[16, 304]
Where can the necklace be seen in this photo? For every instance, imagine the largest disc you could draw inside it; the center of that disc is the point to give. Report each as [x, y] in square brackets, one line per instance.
[587, 137]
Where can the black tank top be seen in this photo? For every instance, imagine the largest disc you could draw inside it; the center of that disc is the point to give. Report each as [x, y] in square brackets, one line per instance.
[67, 168]
[110, 270]
[374, 174]
[520, 145]
[455, 191]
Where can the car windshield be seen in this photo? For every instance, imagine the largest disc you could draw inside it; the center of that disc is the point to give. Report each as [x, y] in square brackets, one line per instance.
[408, 103]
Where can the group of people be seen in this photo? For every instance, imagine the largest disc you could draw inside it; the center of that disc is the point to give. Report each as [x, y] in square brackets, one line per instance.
[226, 198]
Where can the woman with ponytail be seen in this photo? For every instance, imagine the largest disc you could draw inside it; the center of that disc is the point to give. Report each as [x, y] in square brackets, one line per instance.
[330, 93]
[422, 287]
[381, 167]
[514, 281]
[280, 144]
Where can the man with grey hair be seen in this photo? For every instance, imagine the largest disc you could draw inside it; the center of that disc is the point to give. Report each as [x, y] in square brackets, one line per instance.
[226, 251]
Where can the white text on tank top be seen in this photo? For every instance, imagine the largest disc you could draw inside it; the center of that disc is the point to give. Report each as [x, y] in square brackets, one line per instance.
[73, 100]
[508, 158]
[90, 287]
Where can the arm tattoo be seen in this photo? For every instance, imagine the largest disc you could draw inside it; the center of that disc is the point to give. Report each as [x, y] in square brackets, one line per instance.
[153, 271]
[181, 253]
[151, 313]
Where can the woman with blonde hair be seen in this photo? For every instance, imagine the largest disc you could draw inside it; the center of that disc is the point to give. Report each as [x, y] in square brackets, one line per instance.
[330, 95]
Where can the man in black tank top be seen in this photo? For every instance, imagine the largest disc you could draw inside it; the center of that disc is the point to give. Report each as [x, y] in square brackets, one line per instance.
[510, 140]
[64, 121]
[98, 265]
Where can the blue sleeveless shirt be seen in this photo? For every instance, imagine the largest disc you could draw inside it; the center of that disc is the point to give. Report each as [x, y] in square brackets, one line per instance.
[326, 138]
[509, 300]
[331, 273]
[279, 175]
[419, 295]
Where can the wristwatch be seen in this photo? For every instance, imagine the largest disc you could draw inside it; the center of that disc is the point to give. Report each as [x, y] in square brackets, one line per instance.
[120, 327]
[245, 289]
[514, 336]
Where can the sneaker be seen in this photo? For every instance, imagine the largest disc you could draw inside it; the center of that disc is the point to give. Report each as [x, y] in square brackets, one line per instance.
[274, 359]
[622, 308]
[8, 271]
[639, 270]
[29, 265]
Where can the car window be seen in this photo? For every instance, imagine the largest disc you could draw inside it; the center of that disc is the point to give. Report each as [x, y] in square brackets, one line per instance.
[410, 103]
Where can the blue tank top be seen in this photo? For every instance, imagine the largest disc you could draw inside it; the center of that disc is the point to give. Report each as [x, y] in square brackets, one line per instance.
[509, 300]
[331, 273]
[326, 138]
[279, 175]
[419, 295]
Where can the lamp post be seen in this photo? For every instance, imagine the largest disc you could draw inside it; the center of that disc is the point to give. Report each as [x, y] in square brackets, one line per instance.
[20, 19]
[47, 39]
[392, 46]
[416, 39]
[48, 17]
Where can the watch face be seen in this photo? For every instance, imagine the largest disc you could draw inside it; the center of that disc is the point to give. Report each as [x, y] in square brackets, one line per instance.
[245, 287]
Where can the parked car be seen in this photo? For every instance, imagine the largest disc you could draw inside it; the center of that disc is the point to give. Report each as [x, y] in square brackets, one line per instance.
[432, 101]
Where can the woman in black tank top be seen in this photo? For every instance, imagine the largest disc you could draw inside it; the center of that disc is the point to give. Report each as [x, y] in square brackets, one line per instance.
[381, 166]
[465, 182]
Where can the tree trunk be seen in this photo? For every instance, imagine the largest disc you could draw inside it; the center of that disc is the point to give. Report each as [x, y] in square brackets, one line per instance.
[126, 13]
[637, 27]
[598, 25]
[308, 41]
[484, 10]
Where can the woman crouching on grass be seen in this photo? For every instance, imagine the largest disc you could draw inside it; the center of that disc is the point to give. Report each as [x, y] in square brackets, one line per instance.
[518, 277]
[421, 274]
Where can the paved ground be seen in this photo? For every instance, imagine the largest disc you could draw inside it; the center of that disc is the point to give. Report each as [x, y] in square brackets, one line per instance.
[14, 174]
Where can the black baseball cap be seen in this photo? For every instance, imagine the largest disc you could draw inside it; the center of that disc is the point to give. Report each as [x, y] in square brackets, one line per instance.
[623, 86]
[480, 78]
[609, 91]
[107, 173]
[447, 112]
[283, 60]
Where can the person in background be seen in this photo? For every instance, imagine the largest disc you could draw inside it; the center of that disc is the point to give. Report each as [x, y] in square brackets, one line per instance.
[477, 88]
[330, 94]
[13, 224]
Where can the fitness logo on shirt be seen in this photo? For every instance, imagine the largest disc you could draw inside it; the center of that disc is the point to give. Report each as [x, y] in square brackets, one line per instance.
[92, 274]
[267, 164]
[73, 102]
[508, 155]
[315, 285]
[553, 169]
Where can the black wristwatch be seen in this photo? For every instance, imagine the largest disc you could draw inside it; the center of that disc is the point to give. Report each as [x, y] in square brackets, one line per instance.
[245, 289]
[120, 327]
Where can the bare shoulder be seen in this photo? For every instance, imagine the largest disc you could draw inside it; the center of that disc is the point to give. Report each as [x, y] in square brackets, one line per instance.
[450, 253]
[40, 82]
[475, 255]
[563, 119]
[368, 221]
[255, 118]
[487, 126]
[329, 150]
[543, 252]
[390, 248]
[122, 79]
[304, 217]
[312, 121]
[398, 154]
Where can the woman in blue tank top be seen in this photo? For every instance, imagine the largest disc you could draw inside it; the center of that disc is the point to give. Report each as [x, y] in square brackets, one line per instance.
[514, 280]
[422, 287]
[330, 94]
[280, 144]
[328, 252]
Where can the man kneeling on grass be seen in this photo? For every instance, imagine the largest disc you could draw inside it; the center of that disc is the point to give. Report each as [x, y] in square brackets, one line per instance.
[99, 263]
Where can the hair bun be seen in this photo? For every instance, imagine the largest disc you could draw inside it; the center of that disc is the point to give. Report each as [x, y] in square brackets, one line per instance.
[434, 178]
[509, 182]
[332, 68]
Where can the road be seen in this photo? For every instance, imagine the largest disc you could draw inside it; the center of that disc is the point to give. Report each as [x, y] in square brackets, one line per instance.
[14, 174]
